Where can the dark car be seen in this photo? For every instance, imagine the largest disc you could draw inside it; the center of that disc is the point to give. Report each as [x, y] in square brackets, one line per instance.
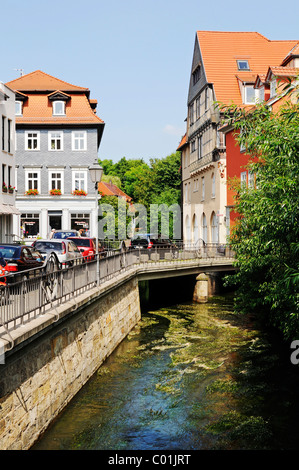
[150, 242]
[20, 257]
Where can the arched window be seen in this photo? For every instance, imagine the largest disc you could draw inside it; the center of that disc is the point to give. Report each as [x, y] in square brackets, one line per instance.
[188, 234]
[214, 227]
[204, 228]
[195, 233]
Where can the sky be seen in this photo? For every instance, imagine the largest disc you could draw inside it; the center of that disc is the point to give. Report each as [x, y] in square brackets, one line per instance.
[134, 56]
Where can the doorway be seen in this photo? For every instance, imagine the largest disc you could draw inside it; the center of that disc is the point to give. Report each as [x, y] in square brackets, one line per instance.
[55, 219]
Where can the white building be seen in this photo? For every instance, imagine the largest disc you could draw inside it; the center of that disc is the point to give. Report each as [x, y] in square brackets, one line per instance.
[7, 161]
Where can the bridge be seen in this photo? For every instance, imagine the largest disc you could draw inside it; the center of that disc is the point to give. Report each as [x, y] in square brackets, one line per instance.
[37, 296]
[58, 327]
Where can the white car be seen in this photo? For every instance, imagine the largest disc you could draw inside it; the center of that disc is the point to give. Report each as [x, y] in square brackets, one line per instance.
[66, 251]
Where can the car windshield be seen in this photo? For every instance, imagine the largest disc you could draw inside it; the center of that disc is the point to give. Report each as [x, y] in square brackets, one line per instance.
[8, 251]
[49, 246]
[81, 241]
[63, 234]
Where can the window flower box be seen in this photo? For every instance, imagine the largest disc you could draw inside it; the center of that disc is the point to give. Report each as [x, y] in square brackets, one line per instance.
[79, 192]
[11, 189]
[55, 192]
[4, 188]
[31, 192]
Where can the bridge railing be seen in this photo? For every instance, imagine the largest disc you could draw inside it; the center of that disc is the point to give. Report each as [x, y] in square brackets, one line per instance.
[35, 293]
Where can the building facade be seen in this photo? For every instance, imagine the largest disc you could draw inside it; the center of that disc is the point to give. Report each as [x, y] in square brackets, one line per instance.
[224, 69]
[8, 210]
[58, 134]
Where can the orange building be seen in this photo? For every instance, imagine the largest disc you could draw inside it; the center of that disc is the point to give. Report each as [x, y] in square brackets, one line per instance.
[270, 88]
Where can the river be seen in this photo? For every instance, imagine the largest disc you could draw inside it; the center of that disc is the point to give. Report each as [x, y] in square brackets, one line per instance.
[189, 376]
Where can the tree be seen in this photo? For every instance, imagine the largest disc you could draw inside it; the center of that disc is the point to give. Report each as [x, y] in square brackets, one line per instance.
[265, 238]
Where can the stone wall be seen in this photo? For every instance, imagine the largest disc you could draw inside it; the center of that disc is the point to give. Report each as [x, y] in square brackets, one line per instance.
[40, 379]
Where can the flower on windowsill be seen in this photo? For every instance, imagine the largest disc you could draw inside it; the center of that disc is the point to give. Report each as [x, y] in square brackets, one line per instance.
[4, 188]
[55, 192]
[11, 189]
[32, 192]
[79, 192]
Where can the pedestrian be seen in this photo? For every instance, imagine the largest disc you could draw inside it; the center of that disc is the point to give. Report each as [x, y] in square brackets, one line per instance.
[52, 233]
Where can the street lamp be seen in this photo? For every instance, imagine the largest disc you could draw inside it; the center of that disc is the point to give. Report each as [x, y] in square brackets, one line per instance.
[96, 173]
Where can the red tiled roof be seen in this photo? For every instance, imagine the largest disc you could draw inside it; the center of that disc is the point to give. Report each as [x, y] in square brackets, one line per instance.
[183, 142]
[221, 50]
[37, 109]
[109, 189]
[38, 80]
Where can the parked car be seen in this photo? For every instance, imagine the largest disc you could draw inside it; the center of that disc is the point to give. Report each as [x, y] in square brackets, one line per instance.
[149, 241]
[66, 251]
[86, 245]
[61, 234]
[20, 257]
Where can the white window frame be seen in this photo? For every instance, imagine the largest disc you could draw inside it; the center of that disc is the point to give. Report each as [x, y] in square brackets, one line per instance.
[55, 170]
[273, 87]
[38, 179]
[19, 108]
[83, 178]
[243, 179]
[55, 138]
[246, 88]
[27, 133]
[82, 139]
[57, 104]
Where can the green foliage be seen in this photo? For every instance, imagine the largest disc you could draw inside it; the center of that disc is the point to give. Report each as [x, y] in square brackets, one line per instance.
[155, 183]
[265, 237]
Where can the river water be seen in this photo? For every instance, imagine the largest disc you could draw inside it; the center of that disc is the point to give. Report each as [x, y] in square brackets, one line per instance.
[188, 376]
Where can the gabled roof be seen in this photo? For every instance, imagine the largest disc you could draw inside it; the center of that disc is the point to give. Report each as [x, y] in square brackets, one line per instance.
[41, 81]
[40, 88]
[282, 72]
[109, 189]
[221, 50]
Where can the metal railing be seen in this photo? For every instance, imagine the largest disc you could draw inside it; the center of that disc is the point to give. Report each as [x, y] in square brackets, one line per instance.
[35, 292]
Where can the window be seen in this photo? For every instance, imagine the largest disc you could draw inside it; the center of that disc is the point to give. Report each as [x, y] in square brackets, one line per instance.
[193, 146]
[19, 108]
[250, 179]
[3, 132]
[202, 188]
[9, 135]
[243, 179]
[196, 74]
[3, 174]
[249, 94]
[55, 140]
[213, 185]
[199, 147]
[56, 179]
[79, 140]
[80, 180]
[191, 114]
[32, 140]
[243, 65]
[207, 98]
[273, 88]
[58, 108]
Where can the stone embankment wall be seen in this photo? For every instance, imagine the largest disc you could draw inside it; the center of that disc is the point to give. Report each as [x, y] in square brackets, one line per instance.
[40, 379]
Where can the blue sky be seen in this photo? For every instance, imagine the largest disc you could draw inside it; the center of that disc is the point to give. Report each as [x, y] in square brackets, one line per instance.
[134, 56]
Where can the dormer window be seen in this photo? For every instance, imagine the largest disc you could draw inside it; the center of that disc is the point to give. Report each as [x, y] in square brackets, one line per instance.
[243, 65]
[249, 93]
[273, 85]
[19, 108]
[58, 108]
[196, 74]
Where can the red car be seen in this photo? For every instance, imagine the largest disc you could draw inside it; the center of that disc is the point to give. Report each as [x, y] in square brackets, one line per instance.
[87, 246]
